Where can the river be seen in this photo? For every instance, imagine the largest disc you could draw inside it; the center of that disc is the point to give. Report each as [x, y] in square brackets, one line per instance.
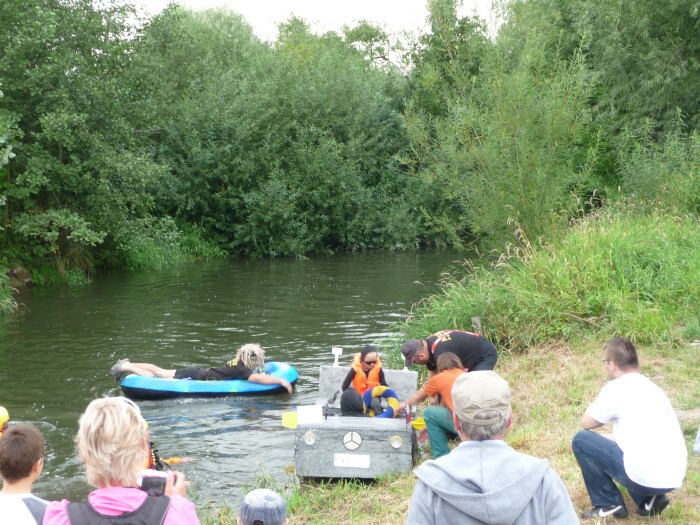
[57, 350]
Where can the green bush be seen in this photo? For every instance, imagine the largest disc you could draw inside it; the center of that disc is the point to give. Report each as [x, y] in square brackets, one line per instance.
[7, 302]
[625, 272]
[151, 244]
[663, 173]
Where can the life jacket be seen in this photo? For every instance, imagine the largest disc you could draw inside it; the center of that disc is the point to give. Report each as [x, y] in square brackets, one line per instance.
[151, 512]
[362, 382]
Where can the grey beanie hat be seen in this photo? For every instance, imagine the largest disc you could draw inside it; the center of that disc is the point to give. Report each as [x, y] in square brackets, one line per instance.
[263, 507]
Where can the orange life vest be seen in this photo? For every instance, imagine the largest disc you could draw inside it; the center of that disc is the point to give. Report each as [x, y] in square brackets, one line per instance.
[363, 382]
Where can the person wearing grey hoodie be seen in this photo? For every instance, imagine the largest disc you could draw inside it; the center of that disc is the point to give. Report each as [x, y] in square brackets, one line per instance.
[483, 480]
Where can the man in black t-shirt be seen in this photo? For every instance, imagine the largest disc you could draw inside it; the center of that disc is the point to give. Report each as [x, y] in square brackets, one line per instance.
[247, 365]
[475, 352]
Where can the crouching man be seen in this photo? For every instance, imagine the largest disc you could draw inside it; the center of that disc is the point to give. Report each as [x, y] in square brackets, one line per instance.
[483, 480]
[647, 454]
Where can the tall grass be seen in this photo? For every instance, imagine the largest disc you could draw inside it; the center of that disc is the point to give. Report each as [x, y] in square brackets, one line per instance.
[664, 173]
[152, 244]
[7, 302]
[629, 272]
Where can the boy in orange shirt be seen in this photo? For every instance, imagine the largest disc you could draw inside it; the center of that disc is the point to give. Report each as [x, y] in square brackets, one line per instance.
[438, 417]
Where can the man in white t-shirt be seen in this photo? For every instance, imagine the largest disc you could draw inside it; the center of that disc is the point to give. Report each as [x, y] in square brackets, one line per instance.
[647, 454]
[21, 462]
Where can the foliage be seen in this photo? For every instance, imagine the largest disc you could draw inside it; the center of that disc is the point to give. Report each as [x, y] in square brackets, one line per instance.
[284, 151]
[666, 173]
[509, 148]
[624, 272]
[645, 55]
[132, 143]
[7, 302]
[152, 243]
[81, 175]
[448, 60]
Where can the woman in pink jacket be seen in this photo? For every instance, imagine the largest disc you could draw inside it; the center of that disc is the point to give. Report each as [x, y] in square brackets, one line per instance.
[113, 442]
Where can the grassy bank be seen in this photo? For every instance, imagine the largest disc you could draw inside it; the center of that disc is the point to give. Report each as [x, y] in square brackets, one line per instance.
[552, 385]
[551, 309]
[630, 272]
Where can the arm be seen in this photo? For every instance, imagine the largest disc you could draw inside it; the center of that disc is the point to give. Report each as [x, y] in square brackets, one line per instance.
[265, 379]
[590, 423]
[175, 483]
[382, 379]
[348, 379]
[416, 398]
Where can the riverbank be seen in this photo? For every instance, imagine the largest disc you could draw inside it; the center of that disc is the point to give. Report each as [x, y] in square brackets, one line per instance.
[553, 307]
[552, 385]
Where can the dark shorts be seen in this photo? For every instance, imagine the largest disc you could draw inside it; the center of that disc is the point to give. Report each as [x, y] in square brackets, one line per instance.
[191, 373]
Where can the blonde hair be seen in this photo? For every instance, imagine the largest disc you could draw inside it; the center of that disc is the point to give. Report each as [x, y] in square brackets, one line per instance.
[112, 442]
[251, 355]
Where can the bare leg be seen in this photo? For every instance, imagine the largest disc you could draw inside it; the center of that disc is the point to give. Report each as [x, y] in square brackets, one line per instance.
[147, 370]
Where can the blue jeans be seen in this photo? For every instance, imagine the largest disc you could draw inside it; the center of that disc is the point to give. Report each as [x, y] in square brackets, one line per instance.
[438, 421]
[601, 462]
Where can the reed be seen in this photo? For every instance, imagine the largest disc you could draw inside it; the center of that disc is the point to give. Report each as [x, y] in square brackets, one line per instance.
[627, 271]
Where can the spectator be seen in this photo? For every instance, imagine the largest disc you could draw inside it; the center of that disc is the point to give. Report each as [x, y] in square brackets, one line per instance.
[263, 507]
[4, 420]
[483, 480]
[647, 456]
[113, 443]
[21, 463]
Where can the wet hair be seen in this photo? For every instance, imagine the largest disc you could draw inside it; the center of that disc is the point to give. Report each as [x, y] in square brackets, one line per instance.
[251, 355]
[448, 361]
[368, 349]
[623, 353]
[112, 442]
[21, 446]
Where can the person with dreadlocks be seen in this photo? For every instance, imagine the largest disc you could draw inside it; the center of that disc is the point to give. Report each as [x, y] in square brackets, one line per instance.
[247, 365]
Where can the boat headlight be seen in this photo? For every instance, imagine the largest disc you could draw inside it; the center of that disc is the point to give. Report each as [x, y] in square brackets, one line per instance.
[310, 438]
[396, 441]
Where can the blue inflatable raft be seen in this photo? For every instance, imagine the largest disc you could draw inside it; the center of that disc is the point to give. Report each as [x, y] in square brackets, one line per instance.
[138, 387]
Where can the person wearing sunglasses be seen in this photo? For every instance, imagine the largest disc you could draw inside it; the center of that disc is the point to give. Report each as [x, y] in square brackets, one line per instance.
[365, 373]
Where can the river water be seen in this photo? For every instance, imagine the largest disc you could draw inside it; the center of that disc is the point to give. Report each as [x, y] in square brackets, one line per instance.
[57, 350]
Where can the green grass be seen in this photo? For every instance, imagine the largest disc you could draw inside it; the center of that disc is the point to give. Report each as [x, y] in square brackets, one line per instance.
[7, 302]
[551, 384]
[628, 272]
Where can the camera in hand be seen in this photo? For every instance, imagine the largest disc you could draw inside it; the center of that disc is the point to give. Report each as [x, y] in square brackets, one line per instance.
[153, 485]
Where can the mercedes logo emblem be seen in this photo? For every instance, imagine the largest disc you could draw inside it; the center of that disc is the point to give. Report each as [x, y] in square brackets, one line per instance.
[352, 440]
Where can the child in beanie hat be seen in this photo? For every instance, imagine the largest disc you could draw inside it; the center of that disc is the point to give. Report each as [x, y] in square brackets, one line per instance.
[263, 507]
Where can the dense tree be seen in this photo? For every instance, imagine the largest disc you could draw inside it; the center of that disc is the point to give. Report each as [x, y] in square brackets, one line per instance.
[133, 144]
[283, 150]
[77, 177]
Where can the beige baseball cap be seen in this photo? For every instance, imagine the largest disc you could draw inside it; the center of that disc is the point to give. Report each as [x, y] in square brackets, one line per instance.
[475, 392]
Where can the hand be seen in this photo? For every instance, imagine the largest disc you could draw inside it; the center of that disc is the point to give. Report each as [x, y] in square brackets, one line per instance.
[175, 483]
[286, 384]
